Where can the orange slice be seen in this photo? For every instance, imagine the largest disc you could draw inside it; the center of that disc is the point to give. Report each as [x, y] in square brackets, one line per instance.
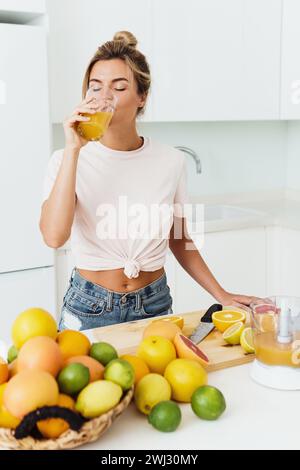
[225, 318]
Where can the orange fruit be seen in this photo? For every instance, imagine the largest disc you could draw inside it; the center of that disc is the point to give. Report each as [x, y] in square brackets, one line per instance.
[54, 427]
[96, 369]
[166, 329]
[185, 376]
[4, 371]
[225, 318]
[42, 353]
[157, 352]
[33, 322]
[179, 321]
[73, 343]
[7, 420]
[140, 367]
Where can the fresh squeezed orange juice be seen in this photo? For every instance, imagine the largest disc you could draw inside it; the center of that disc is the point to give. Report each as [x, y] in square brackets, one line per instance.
[96, 126]
[270, 351]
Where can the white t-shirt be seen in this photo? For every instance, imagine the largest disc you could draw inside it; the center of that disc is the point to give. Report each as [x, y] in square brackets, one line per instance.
[125, 204]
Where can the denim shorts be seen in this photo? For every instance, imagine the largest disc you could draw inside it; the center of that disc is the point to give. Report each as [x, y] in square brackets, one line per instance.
[87, 305]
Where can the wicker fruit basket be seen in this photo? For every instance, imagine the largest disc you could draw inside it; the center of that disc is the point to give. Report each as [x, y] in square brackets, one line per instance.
[89, 432]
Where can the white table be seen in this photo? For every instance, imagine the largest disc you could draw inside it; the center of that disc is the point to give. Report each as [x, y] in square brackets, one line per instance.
[255, 418]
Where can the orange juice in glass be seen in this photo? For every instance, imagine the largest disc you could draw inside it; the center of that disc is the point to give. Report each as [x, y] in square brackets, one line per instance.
[100, 120]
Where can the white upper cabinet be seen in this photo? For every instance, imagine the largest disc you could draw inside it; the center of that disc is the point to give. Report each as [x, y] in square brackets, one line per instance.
[31, 6]
[290, 66]
[77, 28]
[216, 60]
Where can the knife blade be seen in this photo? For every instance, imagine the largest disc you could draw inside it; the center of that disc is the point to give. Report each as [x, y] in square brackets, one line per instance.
[206, 325]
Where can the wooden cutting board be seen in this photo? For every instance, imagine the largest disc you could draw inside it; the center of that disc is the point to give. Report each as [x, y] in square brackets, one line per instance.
[126, 337]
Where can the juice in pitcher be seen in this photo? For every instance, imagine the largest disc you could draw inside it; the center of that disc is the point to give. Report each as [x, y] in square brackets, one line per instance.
[276, 332]
[270, 351]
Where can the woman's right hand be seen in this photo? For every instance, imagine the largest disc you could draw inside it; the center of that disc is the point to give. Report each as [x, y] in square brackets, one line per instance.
[72, 137]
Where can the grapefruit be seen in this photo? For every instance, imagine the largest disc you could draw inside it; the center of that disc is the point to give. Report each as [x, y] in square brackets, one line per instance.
[185, 376]
[33, 322]
[186, 349]
[42, 353]
[166, 329]
[157, 352]
[29, 390]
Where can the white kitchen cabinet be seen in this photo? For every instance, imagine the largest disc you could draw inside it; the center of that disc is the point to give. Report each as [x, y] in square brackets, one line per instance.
[283, 261]
[216, 60]
[24, 289]
[290, 63]
[32, 6]
[25, 145]
[76, 29]
[237, 258]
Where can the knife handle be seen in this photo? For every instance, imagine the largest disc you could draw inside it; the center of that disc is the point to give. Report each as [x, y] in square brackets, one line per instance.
[208, 314]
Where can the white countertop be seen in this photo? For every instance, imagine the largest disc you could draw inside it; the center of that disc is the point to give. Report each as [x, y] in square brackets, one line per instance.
[255, 418]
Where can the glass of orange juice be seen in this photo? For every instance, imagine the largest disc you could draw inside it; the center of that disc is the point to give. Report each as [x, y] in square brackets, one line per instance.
[105, 106]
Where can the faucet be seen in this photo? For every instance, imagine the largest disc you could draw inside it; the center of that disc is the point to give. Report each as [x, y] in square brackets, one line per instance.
[194, 156]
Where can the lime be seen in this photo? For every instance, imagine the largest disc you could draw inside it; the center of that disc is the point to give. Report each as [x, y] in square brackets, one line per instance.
[247, 340]
[73, 378]
[232, 334]
[208, 402]
[12, 354]
[121, 372]
[165, 416]
[103, 352]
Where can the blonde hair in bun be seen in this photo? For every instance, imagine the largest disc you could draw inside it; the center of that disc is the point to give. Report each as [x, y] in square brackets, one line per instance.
[128, 38]
[123, 46]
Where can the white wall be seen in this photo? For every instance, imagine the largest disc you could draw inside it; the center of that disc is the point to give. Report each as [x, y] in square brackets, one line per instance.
[236, 156]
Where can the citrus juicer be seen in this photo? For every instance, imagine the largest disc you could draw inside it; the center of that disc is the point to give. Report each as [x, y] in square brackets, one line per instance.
[276, 335]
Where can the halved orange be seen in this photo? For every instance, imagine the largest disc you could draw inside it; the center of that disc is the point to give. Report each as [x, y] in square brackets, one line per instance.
[225, 318]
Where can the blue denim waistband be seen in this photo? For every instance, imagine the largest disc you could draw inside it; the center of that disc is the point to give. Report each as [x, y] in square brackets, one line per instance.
[114, 297]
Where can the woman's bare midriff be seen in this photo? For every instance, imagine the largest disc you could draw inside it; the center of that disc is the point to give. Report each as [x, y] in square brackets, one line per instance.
[115, 279]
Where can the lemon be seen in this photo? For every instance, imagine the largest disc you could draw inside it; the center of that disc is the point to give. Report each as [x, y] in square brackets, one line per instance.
[225, 318]
[151, 389]
[233, 334]
[98, 398]
[247, 340]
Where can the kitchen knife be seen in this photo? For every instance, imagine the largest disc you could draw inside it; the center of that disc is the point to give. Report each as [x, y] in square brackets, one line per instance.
[206, 325]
